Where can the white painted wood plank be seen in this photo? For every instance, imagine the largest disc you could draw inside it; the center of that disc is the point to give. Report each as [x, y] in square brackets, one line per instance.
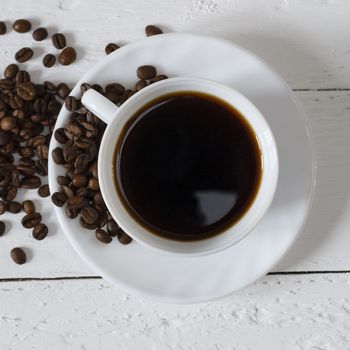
[323, 245]
[279, 312]
[306, 41]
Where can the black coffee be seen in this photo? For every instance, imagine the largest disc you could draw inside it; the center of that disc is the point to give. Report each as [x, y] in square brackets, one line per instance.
[187, 166]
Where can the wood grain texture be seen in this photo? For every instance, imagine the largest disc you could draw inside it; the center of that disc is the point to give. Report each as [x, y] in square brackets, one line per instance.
[294, 312]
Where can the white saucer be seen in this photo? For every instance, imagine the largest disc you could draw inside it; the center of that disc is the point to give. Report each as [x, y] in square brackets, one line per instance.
[185, 279]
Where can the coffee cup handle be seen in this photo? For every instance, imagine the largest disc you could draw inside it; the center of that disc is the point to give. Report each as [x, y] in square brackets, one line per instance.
[99, 105]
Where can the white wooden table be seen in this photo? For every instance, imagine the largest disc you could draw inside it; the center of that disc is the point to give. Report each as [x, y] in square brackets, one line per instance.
[56, 302]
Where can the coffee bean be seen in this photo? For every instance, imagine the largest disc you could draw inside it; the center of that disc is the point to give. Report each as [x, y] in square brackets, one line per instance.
[5, 137]
[3, 207]
[67, 56]
[18, 256]
[93, 184]
[57, 155]
[11, 71]
[110, 48]
[49, 60]
[71, 103]
[42, 151]
[6, 84]
[2, 228]
[44, 191]
[25, 170]
[14, 207]
[2, 28]
[28, 207]
[11, 193]
[31, 220]
[103, 236]
[60, 136]
[80, 180]
[50, 87]
[123, 237]
[158, 78]
[27, 91]
[40, 34]
[81, 163]
[71, 213]
[89, 215]
[40, 231]
[7, 123]
[59, 198]
[73, 131]
[22, 26]
[152, 30]
[76, 202]
[63, 90]
[126, 95]
[146, 72]
[63, 180]
[115, 88]
[22, 77]
[59, 41]
[141, 84]
[24, 54]
[31, 182]
[112, 228]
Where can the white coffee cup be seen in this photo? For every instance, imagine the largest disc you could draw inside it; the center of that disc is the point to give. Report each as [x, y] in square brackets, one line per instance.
[116, 118]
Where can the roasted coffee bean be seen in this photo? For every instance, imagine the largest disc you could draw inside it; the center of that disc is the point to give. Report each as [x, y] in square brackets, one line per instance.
[50, 87]
[42, 151]
[90, 215]
[41, 167]
[14, 207]
[60, 136]
[24, 54]
[25, 170]
[22, 26]
[63, 90]
[68, 190]
[59, 41]
[36, 141]
[73, 131]
[80, 180]
[93, 184]
[76, 202]
[81, 163]
[102, 218]
[40, 231]
[18, 256]
[31, 220]
[98, 199]
[63, 180]
[59, 198]
[115, 88]
[3, 207]
[2, 28]
[27, 91]
[67, 56]
[5, 137]
[152, 30]
[6, 84]
[26, 152]
[110, 48]
[7, 123]
[98, 88]
[71, 213]
[158, 78]
[84, 87]
[44, 191]
[82, 192]
[71, 103]
[2, 228]
[82, 143]
[54, 107]
[11, 193]
[87, 225]
[28, 206]
[11, 71]
[123, 237]
[126, 95]
[22, 77]
[141, 84]
[112, 228]
[112, 97]
[25, 161]
[31, 182]
[16, 102]
[49, 60]
[146, 72]
[103, 236]
[57, 155]
[40, 34]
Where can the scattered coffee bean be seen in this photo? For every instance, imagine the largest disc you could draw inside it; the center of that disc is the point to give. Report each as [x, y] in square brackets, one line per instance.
[79, 180]
[40, 231]
[71, 103]
[28, 206]
[93, 184]
[2, 228]
[89, 215]
[22, 77]
[63, 90]
[103, 236]
[60, 136]
[31, 182]
[11, 71]
[57, 155]
[146, 72]
[141, 84]
[22, 26]
[158, 78]
[115, 88]
[18, 256]
[24, 54]
[31, 220]
[110, 48]
[2, 28]
[59, 41]
[7, 123]
[49, 60]
[44, 191]
[67, 56]
[59, 198]
[63, 180]
[123, 237]
[112, 228]
[152, 30]
[40, 34]
[14, 207]
[3, 207]
[76, 202]
[27, 91]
